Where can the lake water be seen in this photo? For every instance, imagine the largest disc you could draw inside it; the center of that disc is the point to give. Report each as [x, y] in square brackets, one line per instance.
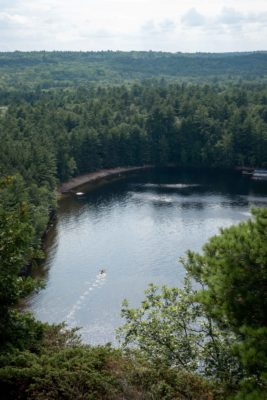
[136, 230]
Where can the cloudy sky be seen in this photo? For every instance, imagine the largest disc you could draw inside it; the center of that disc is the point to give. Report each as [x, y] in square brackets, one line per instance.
[167, 25]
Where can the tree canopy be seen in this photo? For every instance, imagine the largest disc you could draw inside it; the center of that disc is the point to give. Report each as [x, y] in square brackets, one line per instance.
[219, 328]
[206, 341]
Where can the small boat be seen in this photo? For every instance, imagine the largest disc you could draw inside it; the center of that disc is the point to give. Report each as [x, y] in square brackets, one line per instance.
[102, 271]
[79, 193]
[260, 174]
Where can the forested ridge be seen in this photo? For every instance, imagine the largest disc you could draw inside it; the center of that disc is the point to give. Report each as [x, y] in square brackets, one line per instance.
[52, 129]
[65, 68]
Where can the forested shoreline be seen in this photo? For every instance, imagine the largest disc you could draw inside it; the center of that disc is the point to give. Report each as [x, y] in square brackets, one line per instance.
[86, 129]
[93, 178]
[55, 129]
[49, 137]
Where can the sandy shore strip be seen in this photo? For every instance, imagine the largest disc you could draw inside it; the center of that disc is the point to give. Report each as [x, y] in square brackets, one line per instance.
[91, 177]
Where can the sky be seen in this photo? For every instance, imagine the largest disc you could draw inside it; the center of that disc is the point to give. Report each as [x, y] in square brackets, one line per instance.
[162, 25]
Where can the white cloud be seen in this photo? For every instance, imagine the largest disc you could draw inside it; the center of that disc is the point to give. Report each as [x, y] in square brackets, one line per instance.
[193, 18]
[13, 19]
[227, 16]
[230, 16]
[195, 25]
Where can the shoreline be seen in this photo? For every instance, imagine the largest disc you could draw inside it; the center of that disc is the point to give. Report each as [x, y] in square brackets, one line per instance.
[69, 187]
[94, 177]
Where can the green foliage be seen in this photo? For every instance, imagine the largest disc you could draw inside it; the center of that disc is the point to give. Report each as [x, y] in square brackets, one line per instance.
[233, 270]
[44, 70]
[16, 244]
[219, 328]
[233, 267]
[72, 372]
[52, 129]
[65, 133]
[172, 328]
[62, 368]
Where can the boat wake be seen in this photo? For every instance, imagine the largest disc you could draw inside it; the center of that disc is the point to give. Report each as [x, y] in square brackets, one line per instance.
[152, 197]
[90, 287]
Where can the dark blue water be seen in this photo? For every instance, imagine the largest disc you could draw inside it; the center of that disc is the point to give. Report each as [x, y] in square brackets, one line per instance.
[136, 230]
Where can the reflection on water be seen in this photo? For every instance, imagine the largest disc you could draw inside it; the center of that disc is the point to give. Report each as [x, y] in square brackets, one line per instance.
[169, 185]
[135, 230]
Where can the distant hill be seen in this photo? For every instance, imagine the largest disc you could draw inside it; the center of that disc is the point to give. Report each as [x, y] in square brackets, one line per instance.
[64, 69]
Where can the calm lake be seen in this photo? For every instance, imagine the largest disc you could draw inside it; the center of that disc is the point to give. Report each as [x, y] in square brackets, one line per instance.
[135, 229]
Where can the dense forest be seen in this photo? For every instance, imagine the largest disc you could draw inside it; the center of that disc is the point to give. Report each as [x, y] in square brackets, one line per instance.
[77, 131]
[65, 69]
[56, 123]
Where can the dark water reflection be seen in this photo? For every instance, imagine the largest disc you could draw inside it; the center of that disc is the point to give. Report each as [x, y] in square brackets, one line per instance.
[136, 229]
